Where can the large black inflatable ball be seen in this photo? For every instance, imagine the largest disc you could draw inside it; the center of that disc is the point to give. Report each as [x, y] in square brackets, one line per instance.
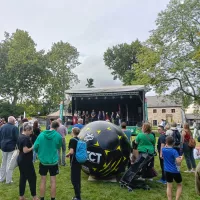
[107, 147]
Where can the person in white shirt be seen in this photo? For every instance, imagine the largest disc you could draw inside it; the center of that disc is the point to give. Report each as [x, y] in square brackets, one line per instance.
[196, 153]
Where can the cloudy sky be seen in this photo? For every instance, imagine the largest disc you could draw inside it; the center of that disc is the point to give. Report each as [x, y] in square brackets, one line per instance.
[90, 25]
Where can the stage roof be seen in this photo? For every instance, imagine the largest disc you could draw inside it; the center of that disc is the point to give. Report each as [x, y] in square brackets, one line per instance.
[107, 90]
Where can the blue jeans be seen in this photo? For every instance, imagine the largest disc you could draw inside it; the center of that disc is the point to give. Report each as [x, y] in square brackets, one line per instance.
[189, 157]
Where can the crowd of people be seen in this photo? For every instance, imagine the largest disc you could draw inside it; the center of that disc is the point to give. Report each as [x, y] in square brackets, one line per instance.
[49, 147]
[172, 147]
[87, 117]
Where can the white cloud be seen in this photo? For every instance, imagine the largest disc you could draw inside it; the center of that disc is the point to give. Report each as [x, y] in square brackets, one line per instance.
[94, 67]
[90, 25]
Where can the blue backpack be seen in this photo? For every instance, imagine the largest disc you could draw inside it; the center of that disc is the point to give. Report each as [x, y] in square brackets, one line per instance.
[81, 151]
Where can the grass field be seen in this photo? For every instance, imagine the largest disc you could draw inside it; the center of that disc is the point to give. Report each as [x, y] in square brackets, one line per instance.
[100, 190]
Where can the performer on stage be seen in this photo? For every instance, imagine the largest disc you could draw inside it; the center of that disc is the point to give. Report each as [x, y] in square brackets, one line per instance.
[83, 117]
[79, 114]
[103, 116]
[87, 116]
[117, 118]
[75, 119]
[100, 116]
[112, 117]
[93, 115]
[107, 116]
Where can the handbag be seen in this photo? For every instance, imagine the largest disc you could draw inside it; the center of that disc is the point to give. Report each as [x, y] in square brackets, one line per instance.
[13, 162]
[192, 143]
[149, 173]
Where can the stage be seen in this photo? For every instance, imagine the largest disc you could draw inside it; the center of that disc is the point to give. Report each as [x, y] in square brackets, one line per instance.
[129, 101]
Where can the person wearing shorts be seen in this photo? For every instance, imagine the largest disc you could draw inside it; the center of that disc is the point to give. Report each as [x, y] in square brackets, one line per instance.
[172, 162]
[46, 146]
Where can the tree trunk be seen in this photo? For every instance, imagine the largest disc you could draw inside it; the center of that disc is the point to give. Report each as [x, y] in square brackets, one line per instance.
[15, 99]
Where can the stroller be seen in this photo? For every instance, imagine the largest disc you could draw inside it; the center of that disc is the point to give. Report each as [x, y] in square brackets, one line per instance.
[140, 168]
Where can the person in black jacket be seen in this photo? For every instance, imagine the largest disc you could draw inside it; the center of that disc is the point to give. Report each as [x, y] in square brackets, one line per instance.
[160, 145]
[25, 162]
[9, 134]
[75, 165]
[35, 134]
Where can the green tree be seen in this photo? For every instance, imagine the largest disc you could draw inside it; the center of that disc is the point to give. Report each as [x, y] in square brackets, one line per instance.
[62, 59]
[32, 108]
[120, 60]
[168, 60]
[7, 109]
[90, 83]
[22, 67]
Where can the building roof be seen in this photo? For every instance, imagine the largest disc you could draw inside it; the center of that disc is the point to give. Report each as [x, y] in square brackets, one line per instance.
[161, 102]
[107, 89]
[192, 116]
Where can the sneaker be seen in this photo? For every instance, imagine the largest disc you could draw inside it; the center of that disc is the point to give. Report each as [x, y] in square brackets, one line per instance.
[187, 171]
[193, 171]
[162, 181]
[10, 182]
[74, 198]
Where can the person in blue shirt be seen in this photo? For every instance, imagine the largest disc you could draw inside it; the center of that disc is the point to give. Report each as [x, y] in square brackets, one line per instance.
[79, 125]
[127, 132]
[172, 162]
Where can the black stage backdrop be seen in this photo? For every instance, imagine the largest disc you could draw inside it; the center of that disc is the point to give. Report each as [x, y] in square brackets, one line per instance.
[131, 107]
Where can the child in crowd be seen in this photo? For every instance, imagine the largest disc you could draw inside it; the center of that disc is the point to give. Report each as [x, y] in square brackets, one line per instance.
[75, 165]
[172, 162]
[196, 152]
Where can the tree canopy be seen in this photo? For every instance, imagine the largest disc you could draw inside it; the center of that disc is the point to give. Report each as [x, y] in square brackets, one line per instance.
[31, 76]
[170, 58]
[120, 60]
[21, 67]
[62, 59]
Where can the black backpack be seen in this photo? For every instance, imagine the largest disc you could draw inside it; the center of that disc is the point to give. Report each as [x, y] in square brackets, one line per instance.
[177, 137]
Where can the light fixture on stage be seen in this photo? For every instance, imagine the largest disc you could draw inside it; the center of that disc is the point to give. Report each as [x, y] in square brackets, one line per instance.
[88, 98]
[81, 98]
[131, 97]
[105, 97]
[96, 98]
[121, 97]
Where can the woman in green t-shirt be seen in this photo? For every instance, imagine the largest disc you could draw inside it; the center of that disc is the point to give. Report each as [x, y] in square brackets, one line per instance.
[145, 140]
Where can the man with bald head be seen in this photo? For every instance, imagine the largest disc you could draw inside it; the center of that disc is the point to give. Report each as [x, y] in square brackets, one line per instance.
[9, 134]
